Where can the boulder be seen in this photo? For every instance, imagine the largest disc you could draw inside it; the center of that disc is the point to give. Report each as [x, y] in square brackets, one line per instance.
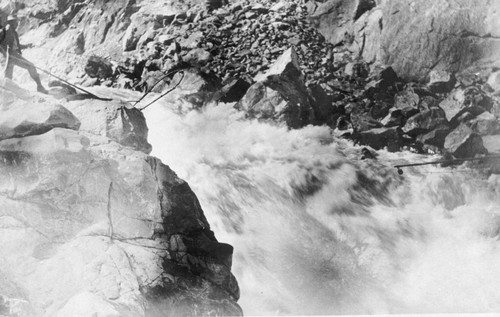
[115, 121]
[471, 100]
[495, 109]
[406, 99]
[382, 85]
[198, 57]
[463, 143]
[98, 67]
[357, 69]
[363, 121]
[285, 78]
[485, 124]
[23, 118]
[435, 137]
[343, 123]
[428, 102]
[382, 137]
[380, 109]
[395, 118]
[192, 40]
[264, 103]
[322, 103]
[453, 105]
[424, 121]
[492, 143]
[441, 81]
[494, 81]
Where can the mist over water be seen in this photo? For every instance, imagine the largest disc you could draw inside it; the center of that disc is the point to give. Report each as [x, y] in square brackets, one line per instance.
[316, 230]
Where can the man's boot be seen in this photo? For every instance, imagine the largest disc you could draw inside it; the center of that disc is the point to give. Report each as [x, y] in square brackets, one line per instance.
[42, 90]
[39, 86]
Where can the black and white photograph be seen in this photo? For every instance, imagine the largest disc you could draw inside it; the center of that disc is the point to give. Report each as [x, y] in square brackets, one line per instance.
[236, 158]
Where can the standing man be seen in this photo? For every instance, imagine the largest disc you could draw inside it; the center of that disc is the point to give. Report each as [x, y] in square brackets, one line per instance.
[11, 49]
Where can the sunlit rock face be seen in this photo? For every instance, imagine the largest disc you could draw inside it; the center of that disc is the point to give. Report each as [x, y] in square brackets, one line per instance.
[71, 31]
[416, 37]
[92, 227]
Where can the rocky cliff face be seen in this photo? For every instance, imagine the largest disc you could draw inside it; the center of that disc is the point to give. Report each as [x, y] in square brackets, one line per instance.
[415, 37]
[91, 225]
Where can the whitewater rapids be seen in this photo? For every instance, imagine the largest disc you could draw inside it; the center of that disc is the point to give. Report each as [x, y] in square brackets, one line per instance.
[316, 230]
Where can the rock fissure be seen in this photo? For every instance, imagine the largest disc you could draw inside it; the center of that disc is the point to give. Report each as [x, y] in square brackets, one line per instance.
[109, 212]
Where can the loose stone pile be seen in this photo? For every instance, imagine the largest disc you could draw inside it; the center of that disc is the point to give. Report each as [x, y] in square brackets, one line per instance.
[237, 41]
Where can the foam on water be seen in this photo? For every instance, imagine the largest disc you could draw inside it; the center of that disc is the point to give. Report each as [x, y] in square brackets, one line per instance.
[316, 230]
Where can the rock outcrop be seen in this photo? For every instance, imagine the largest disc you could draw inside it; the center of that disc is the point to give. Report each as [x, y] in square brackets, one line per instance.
[463, 142]
[280, 94]
[91, 225]
[415, 38]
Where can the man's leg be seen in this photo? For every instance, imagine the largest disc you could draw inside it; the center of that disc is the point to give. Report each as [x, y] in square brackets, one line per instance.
[9, 67]
[20, 61]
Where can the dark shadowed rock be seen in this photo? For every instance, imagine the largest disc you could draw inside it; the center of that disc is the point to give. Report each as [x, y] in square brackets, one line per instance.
[382, 83]
[363, 122]
[463, 142]
[435, 137]
[395, 118]
[321, 103]
[98, 67]
[343, 123]
[233, 91]
[382, 137]
[387, 76]
[424, 121]
[464, 118]
[128, 127]
[380, 109]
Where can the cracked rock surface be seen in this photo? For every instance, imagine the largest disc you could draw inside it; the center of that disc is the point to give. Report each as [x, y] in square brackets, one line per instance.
[90, 225]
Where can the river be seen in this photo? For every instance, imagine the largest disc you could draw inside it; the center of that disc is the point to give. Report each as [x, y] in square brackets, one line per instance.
[317, 230]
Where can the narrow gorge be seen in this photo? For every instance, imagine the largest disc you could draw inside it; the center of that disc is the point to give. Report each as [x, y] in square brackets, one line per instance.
[229, 158]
